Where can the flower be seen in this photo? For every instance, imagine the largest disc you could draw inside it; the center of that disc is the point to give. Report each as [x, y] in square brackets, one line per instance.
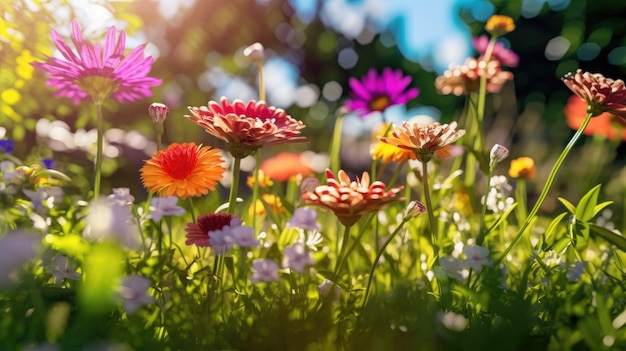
[605, 124]
[506, 57]
[134, 293]
[120, 197]
[426, 140]
[497, 154]
[375, 92]
[327, 287]
[464, 79]
[498, 25]
[451, 267]
[273, 203]
[165, 206]
[386, 152]
[263, 181]
[16, 249]
[349, 200]
[158, 112]
[6, 146]
[112, 221]
[254, 52]
[198, 233]
[183, 170]
[601, 94]
[63, 268]
[99, 71]
[415, 209]
[297, 258]
[476, 257]
[247, 127]
[305, 218]
[575, 271]
[522, 167]
[264, 270]
[285, 165]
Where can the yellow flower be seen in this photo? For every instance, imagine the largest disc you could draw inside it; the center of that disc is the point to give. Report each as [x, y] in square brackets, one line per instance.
[424, 141]
[522, 167]
[273, 202]
[498, 25]
[390, 153]
[263, 181]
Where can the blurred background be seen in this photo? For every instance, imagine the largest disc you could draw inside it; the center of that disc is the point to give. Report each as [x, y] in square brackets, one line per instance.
[312, 48]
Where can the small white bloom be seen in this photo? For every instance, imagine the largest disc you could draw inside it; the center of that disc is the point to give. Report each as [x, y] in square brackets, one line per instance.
[297, 257]
[451, 267]
[264, 270]
[453, 321]
[165, 206]
[476, 257]
[497, 154]
[107, 221]
[328, 287]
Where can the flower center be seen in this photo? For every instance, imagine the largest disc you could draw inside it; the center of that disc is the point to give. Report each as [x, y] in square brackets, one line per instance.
[179, 161]
[214, 221]
[99, 84]
[380, 103]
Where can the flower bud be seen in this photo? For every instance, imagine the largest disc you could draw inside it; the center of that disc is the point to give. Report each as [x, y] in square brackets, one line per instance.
[415, 209]
[158, 112]
[497, 154]
[254, 53]
[498, 25]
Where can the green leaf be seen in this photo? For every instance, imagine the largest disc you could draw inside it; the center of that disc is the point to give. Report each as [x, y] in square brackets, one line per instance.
[570, 207]
[502, 218]
[600, 207]
[551, 230]
[586, 206]
[609, 236]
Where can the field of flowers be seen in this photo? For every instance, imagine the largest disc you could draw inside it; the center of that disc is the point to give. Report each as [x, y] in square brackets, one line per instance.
[437, 246]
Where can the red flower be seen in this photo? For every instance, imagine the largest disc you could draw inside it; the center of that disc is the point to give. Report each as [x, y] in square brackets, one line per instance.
[198, 233]
[606, 125]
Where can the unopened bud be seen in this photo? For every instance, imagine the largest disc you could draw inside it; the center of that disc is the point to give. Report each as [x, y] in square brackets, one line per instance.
[254, 53]
[415, 209]
[158, 112]
[497, 154]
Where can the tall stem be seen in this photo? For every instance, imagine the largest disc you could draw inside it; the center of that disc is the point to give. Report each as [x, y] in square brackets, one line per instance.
[336, 145]
[483, 212]
[234, 186]
[429, 206]
[261, 83]
[255, 187]
[340, 257]
[99, 146]
[546, 188]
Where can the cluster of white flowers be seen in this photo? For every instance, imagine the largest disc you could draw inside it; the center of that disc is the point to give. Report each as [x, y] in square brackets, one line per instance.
[476, 257]
[498, 200]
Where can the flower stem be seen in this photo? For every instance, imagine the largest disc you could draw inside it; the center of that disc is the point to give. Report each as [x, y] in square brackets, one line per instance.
[546, 188]
[483, 212]
[99, 146]
[261, 83]
[340, 257]
[192, 209]
[429, 206]
[336, 145]
[234, 186]
[380, 253]
[255, 187]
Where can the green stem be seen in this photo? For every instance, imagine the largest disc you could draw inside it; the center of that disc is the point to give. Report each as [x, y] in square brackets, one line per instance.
[362, 231]
[380, 253]
[520, 194]
[261, 83]
[336, 145]
[255, 187]
[546, 188]
[483, 212]
[340, 257]
[429, 207]
[99, 146]
[234, 186]
[192, 209]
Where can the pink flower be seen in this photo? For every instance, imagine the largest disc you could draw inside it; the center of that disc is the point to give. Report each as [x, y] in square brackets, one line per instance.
[99, 71]
[507, 58]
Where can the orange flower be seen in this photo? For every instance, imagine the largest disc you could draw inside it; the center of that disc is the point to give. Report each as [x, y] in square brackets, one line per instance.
[601, 94]
[183, 170]
[522, 167]
[499, 25]
[247, 127]
[462, 80]
[349, 200]
[605, 124]
[390, 153]
[273, 202]
[426, 140]
[284, 166]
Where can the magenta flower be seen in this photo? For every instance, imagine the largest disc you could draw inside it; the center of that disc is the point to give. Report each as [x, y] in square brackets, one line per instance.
[507, 57]
[375, 92]
[98, 71]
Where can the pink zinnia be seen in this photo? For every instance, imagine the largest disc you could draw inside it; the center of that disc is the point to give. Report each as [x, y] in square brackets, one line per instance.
[507, 57]
[99, 71]
[376, 92]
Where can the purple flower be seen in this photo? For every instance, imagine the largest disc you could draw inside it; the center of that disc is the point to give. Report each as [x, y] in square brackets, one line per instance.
[48, 163]
[134, 293]
[16, 248]
[375, 92]
[264, 270]
[98, 71]
[6, 146]
[305, 218]
[297, 257]
[507, 57]
[63, 268]
[165, 206]
[476, 257]
[120, 197]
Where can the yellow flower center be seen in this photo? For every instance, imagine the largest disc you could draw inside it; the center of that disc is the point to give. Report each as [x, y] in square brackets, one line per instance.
[380, 103]
[98, 87]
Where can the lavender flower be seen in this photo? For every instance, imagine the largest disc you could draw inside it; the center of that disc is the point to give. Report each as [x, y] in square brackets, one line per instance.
[134, 293]
[305, 218]
[165, 206]
[264, 270]
[297, 257]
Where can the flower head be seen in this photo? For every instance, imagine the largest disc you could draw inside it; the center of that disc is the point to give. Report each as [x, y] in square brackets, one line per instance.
[6, 146]
[498, 25]
[254, 52]
[305, 218]
[476, 257]
[198, 233]
[497, 154]
[387, 152]
[605, 124]
[134, 293]
[264, 181]
[375, 92]
[285, 165]
[183, 170]
[247, 127]
[158, 112]
[16, 249]
[601, 94]
[522, 167]
[349, 200]
[99, 71]
[297, 257]
[506, 57]
[415, 209]
[120, 197]
[165, 206]
[464, 79]
[426, 140]
[264, 270]
[62, 267]
[273, 203]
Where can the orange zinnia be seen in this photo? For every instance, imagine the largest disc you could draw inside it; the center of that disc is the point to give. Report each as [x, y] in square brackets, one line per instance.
[522, 167]
[426, 140]
[602, 94]
[606, 125]
[183, 170]
[349, 200]
[284, 166]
